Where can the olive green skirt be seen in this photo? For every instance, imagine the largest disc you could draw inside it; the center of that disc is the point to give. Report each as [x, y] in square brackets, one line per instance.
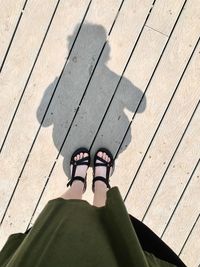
[73, 233]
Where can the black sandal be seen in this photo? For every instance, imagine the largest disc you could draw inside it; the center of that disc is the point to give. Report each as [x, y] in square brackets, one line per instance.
[75, 163]
[105, 164]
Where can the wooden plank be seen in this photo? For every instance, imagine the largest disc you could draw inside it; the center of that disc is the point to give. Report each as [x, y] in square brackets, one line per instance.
[106, 51]
[99, 14]
[190, 253]
[174, 181]
[21, 57]
[11, 11]
[163, 15]
[100, 90]
[137, 72]
[187, 210]
[159, 92]
[162, 149]
[14, 155]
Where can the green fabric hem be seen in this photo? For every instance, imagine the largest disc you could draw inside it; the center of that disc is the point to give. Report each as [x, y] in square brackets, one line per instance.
[156, 262]
[122, 236]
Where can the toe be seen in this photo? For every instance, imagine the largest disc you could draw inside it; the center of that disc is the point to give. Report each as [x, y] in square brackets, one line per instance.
[100, 154]
[77, 157]
[85, 155]
[81, 155]
[104, 155]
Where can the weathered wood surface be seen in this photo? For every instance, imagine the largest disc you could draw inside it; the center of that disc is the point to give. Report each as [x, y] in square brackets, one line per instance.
[45, 75]
[11, 14]
[120, 74]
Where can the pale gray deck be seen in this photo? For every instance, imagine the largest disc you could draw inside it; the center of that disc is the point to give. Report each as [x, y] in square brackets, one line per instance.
[120, 74]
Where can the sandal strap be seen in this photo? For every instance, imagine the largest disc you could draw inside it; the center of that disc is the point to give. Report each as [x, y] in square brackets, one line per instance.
[79, 163]
[107, 172]
[76, 163]
[80, 160]
[74, 171]
[76, 178]
[103, 164]
[106, 164]
[101, 159]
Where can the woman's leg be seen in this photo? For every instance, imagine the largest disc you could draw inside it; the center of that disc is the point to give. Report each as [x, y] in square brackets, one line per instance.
[100, 187]
[76, 189]
[100, 194]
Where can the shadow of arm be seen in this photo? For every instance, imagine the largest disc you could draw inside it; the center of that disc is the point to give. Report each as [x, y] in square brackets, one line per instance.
[132, 96]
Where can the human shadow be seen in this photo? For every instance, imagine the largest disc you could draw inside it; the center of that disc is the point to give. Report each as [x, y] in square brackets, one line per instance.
[81, 73]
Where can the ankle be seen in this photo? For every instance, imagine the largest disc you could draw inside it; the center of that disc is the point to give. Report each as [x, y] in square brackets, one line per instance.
[100, 185]
[77, 185]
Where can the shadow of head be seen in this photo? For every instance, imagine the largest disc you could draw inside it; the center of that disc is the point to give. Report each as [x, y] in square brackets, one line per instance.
[91, 36]
[89, 105]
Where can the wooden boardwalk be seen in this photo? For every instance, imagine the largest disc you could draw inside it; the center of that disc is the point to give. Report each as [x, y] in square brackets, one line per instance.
[119, 74]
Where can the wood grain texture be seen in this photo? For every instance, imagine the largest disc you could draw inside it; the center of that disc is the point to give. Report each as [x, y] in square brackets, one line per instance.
[176, 231]
[159, 92]
[190, 253]
[99, 91]
[28, 118]
[164, 14]
[118, 74]
[39, 175]
[11, 10]
[22, 55]
[163, 147]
